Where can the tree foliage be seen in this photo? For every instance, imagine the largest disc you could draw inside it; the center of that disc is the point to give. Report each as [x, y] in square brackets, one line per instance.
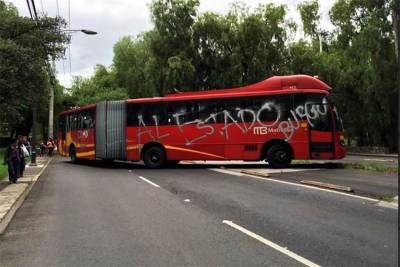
[98, 88]
[25, 48]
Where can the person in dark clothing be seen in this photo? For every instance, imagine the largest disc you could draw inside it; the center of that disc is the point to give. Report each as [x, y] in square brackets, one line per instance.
[12, 159]
[42, 149]
[50, 146]
[23, 152]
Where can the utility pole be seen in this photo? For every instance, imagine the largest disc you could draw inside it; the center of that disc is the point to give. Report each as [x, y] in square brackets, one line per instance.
[51, 102]
[396, 30]
[33, 141]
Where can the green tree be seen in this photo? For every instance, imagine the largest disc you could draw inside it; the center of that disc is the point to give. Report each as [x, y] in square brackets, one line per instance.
[98, 88]
[25, 47]
[134, 66]
[367, 82]
[172, 43]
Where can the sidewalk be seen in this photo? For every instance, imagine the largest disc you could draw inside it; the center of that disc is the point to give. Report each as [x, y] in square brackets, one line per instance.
[13, 195]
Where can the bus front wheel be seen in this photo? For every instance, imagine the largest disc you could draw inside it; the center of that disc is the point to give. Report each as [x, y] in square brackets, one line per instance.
[278, 156]
[72, 154]
[154, 157]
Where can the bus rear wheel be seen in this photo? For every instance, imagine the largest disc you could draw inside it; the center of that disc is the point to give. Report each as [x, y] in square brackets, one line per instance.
[278, 156]
[154, 157]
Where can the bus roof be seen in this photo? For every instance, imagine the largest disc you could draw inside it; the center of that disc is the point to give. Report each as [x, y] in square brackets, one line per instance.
[271, 84]
[274, 85]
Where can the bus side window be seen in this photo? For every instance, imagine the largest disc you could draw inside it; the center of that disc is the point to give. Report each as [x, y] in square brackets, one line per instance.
[215, 108]
[133, 111]
[62, 126]
[154, 113]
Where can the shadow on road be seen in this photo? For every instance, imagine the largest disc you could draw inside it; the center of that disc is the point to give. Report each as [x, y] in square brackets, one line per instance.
[140, 165]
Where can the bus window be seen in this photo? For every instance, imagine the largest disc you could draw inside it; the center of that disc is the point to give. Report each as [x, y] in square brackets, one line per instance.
[154, 113]
[62, 127]
[133, 110]
[315, 109]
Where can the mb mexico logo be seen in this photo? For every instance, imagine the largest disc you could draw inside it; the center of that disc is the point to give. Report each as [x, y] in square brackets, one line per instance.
[266, 130]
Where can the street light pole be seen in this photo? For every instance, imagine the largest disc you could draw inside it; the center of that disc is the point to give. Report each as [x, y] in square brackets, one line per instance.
[51, 104]
[50, 131]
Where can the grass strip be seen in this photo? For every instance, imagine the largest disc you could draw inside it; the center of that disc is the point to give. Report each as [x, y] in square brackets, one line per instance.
[367, 166]
[371, 166]
[3, 168]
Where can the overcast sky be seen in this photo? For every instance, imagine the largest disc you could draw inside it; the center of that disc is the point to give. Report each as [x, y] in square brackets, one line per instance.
[113, 19]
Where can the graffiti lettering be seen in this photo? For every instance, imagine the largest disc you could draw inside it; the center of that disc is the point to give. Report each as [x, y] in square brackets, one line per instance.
[267, 119]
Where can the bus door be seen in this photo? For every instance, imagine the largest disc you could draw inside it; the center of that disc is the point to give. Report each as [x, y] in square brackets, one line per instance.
[321, 131]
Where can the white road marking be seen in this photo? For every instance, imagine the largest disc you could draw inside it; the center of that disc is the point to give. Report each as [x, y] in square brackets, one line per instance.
[187, 200]
[148, 181]
[382, 160]
[299, 185]
[271, 244]
[227, 172]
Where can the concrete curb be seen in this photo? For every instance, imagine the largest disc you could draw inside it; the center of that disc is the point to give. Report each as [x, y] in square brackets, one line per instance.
[392, 156]
[266, 175]
[328, 185]
[18, 194]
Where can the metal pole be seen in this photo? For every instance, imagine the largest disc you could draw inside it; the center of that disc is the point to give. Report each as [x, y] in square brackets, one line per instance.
[51, 113]
[33, 141]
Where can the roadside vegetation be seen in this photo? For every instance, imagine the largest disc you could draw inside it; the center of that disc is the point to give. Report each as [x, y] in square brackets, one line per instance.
[370, 166]
[3, 168]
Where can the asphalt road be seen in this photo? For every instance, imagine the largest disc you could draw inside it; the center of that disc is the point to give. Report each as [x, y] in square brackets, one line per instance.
[89, 215]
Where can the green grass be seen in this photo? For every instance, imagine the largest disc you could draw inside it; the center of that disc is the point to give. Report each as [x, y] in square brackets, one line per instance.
[3, 168]
[370, 166]
[387, 199]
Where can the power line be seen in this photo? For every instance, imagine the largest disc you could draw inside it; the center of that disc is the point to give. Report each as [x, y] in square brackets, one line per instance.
[29, 8]
[34, 9]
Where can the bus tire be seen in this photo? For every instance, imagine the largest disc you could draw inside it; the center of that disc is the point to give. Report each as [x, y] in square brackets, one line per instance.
[154, 157]
[72, 154]
[278, 156]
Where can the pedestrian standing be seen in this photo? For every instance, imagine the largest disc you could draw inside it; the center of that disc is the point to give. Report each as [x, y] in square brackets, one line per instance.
[50, 146]
[27, 143]
[12, 159]
[23, 153]
[42, 149]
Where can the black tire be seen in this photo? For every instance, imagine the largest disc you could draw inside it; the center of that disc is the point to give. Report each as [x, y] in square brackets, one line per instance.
[154, 157]
[72, 155]
[278, 156]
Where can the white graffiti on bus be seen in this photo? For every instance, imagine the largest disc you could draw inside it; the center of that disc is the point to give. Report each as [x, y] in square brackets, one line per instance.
[247, 120]
[309, 112]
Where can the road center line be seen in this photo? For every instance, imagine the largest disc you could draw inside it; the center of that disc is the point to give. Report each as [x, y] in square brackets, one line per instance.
[148, 181]
[299, 185]
[271, 244]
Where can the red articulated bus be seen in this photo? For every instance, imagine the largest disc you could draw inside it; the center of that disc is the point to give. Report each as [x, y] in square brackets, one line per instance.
[277, 120]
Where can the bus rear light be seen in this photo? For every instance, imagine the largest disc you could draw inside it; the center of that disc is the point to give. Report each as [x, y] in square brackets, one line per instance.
[303, 125]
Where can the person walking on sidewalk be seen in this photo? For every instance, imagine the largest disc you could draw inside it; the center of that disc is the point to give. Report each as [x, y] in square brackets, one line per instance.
[50, 146]
[12, 159]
